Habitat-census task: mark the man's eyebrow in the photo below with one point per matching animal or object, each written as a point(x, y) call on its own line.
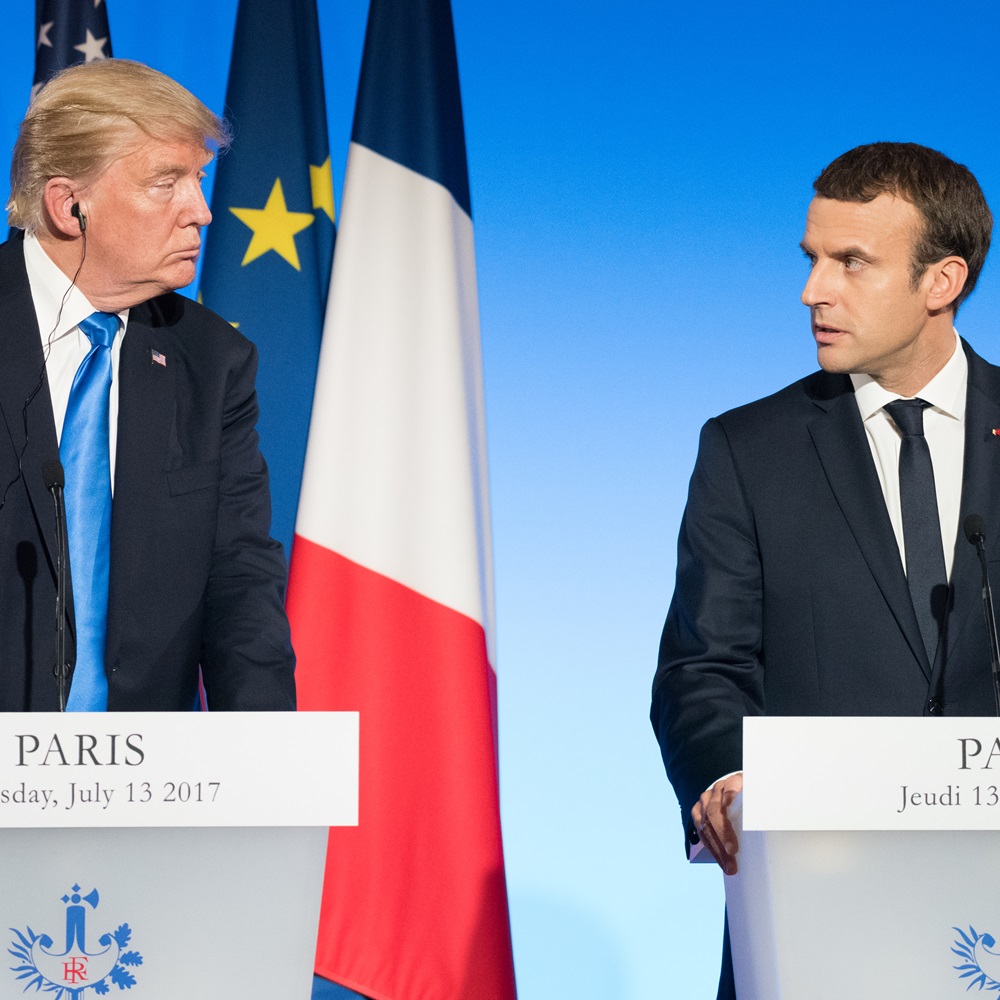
point(167, 170)
point(174, 170)
point(843, 254)
point(855, 251)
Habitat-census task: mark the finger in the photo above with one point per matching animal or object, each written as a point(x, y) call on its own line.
point(701, 813)
point(724, 827)
point(713, 844)
point(721, 847)
point(721, 830)
point(698, 813)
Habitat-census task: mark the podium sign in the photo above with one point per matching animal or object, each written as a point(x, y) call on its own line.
point(871, 774)
point(168, 855)
point(869, 859)
point(178, 769)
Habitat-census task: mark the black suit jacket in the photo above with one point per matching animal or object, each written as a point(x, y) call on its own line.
point(195, 578)
point(791, 597)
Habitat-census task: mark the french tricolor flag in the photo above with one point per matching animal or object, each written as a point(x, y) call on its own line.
point(390, 592)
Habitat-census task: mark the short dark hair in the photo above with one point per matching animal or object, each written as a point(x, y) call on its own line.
point(958, 220)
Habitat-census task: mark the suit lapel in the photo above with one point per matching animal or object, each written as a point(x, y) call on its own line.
point(32, 427)
point(145, 422)
point(980, 490)
point(839, 437)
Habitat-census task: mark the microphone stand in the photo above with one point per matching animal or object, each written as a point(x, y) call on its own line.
point(975, 531)
point(54, 483)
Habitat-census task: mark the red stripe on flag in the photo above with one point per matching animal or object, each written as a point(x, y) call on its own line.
point(415, 900)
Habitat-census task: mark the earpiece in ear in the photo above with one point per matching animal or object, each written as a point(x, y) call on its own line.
point(79, 216)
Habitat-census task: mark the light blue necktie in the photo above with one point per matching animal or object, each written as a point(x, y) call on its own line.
point(86, 459)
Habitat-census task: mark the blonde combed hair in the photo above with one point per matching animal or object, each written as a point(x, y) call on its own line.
point(90, 115)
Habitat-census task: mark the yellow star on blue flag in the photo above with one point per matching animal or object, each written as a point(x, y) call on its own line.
point(321, 180)
point(270, 245)
point(274, 227)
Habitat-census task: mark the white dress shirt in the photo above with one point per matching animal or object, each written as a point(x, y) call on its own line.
point(944, 429)
point(64, 344)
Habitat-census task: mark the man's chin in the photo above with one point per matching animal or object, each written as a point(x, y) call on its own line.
point(179, 276)
point(834, 361)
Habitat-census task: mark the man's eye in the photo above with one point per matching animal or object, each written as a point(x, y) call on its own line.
point(853, 264)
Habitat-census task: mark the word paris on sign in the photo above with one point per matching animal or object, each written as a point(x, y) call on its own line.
point(179, 769)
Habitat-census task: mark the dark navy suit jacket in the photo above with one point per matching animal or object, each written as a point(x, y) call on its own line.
point(195, 578)
point(790, 596)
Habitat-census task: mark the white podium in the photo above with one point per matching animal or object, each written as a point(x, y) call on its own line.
point(168, 856)
point(869, 862)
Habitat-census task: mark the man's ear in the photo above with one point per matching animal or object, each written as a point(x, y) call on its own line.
point(949, 277)
point(59, 197)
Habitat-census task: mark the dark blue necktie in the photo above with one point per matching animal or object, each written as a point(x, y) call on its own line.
point(86, 458)
point(925, 570)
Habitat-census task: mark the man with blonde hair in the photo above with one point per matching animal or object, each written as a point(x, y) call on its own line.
point(148, 400)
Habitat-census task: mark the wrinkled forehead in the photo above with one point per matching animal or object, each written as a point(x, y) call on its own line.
point(145, 155)
point(885, 219)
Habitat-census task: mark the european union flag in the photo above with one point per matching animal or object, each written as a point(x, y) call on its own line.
point(68, 32)
point(270, 244)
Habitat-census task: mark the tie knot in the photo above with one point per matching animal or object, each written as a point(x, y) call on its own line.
point(100, 328)
point(908, 415)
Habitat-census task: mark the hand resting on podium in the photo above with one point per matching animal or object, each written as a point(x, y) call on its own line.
point(711, 819)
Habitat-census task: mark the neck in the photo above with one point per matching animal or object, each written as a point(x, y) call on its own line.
point(69, 254)
point(926, 358)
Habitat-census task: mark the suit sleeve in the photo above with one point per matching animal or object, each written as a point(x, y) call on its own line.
point(247, 658)
point(710, 672)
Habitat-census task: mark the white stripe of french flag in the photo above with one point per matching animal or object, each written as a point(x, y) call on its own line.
point(390, 590)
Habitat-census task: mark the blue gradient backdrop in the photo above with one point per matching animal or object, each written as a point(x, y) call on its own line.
point(640, 173)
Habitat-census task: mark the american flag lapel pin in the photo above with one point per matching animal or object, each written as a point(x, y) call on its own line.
point(158, 358)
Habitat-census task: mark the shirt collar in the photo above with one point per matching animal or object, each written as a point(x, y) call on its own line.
point(945, 392)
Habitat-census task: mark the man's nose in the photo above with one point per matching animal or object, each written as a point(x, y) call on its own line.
point(818, 289)
point(198, 212)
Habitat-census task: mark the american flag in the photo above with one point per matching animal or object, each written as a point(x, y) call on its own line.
point(68, 32)
point(158, 358)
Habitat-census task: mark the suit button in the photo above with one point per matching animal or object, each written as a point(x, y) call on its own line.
point(934, 707)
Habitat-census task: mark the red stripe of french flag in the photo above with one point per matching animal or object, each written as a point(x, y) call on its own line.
point(391, 603)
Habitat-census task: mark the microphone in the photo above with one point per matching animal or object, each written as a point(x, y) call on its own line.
point(55, 480)
point(975, 531)
point(54, 475)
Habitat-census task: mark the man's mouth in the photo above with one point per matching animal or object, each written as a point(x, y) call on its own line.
point(826, 334)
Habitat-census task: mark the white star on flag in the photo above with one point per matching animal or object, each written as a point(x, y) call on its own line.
point(92, 48)
point(43, 35)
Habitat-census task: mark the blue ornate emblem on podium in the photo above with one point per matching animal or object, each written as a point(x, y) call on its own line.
point(982, 959)
point(64, 970)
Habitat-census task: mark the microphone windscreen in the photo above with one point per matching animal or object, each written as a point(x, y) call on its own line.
point(974, 527)
point(52, 470)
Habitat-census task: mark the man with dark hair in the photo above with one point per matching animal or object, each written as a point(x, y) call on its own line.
point(821, 568)
point(956, 219)
point(148, 401)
